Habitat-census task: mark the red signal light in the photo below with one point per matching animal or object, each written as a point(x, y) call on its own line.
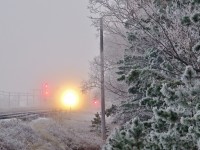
point(45, 90)
point(95, 101)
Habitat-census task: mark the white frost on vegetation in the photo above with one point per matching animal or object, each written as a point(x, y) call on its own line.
point(46, 134)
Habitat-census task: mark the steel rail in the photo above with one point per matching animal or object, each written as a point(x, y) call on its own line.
point(26, 114)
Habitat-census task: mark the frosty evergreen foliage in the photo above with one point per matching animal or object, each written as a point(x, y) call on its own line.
point(161, 68)
point(174, 124)
point(96, 123)
point(128, 137)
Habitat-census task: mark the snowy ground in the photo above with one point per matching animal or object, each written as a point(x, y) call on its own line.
point(63, 131)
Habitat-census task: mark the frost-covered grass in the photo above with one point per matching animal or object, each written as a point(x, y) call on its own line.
point(57, 133)
point(14, 134)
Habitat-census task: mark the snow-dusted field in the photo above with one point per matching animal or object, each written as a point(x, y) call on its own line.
point(63, 131)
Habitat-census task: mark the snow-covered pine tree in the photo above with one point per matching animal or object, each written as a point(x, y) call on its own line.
point(128, 137)
point(162, 44)
point(174, 125)
point(174, 102)
point(166, 34)
point(96, 123)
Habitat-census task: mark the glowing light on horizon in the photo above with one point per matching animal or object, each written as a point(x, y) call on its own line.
point(70, 98)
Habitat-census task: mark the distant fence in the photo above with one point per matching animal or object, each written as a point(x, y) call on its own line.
point(16, 100)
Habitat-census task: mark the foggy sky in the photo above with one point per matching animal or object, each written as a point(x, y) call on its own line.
point(44, 41)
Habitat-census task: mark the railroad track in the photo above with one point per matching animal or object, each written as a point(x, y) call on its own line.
point(25, 115)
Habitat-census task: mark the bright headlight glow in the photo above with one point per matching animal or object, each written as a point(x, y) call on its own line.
point(70, 98)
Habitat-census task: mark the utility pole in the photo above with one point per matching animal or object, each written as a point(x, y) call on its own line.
point(103, 122)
